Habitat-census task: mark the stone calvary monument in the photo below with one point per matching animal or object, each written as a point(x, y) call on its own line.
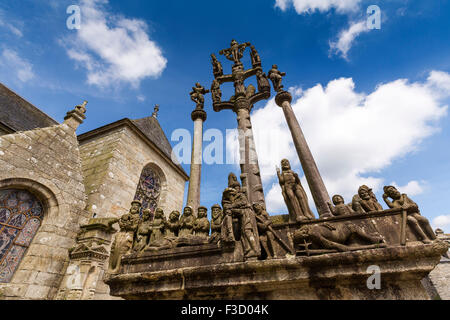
point(243, 252)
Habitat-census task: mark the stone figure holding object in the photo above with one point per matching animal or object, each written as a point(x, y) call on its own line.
point(367, 200)
point(215, 91)
point(216, 223)
point(201, 224)
point(143, 231)
point(419, 224)
point(197, 95)
point(340, 208)
point(293, 193)
point(266, 236)
point(172, 226)
point(276, 76)
point(217, 66)
point(123, 241)
point(187, 222)
point(157, 226)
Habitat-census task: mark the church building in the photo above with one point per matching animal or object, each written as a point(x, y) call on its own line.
point(53, 181)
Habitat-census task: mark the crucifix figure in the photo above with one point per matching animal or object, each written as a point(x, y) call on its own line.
point(242, 103)
point(235, 52)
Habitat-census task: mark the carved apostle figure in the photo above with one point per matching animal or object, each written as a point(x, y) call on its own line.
point(227, 232)
point(143, 231)
point(215, 91)
point(197, 95)
point(263, 82)
point(216, 223)
point(123, 241)
point(256, 60)
point(201, 224)
point(186, 222)
point(368, 200)
point(172, 226)
point(241, 209)
point(276, 76)
point(157, 227)
point(293, 193)
point(217, 66)
point(266, 236)
point(419, 224)
point(339, 208)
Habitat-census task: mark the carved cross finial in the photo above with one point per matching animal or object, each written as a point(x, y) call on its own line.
point(155, 112)
point(82, 108)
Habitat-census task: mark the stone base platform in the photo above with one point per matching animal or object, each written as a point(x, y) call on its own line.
point(329, 276)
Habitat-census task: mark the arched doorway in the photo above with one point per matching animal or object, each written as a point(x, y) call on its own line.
point(21, 215)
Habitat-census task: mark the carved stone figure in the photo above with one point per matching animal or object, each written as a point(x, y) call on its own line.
point(215, 91)
point(265, 231)
point(340, 208)
point(417, 222)
point(143, 231)
point(123, 241)
point(337, 237)
point(172, 226)
point(217, 66)
point(216, 223)
point(293, 193)
point(235, 52)
point(187, 222)
point(256, 60)
point(227, 232)
point(197, 95)
point(263, 82)
point(368, 200)
point(241, 209)
point(201, 224)
point(157, 226)
point(276, 76)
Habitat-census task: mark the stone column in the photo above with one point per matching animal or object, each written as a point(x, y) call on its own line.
point(315, 182)
point(250, 174)
point(193, 199)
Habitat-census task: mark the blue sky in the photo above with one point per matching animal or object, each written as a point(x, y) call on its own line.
point(372, 103)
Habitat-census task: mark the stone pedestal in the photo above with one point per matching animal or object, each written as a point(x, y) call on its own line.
point(193, 199)
point(84, 275)
point(315, 182)
point(330, 276)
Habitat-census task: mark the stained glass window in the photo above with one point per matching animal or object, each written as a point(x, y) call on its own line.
point(20, 217)
point(149, 189)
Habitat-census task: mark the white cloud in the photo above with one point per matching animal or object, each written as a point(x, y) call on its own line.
point(309, 6)
point(412, 188)
point(12, 26)
point(21, 68)
point(113, 49)
point(140, 98)
point(347, 37)
point(441, 222)
point(351, 135)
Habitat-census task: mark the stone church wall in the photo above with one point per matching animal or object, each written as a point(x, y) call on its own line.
point(112, 165)
point(46, 163)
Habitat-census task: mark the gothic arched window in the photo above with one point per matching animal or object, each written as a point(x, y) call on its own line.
point(21, 215)
point(149, 189)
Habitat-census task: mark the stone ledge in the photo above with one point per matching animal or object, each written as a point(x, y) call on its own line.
point(296, 277)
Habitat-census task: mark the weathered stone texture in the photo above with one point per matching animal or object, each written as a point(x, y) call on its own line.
point(112, 165)
point(46, 162)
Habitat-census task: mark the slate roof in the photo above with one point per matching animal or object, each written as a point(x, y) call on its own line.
point(148, 128)
point(17, 114)
point(151, 128)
